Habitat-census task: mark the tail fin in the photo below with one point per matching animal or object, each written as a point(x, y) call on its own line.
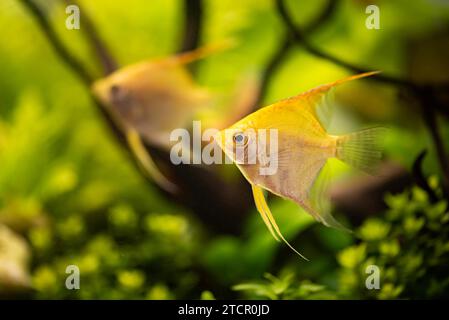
point(361, 149)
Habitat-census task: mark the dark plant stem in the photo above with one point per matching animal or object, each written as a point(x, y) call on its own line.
point(66, 56)
point(427, 102)
point(324, 16)
point(107, 61)
point(73, 63)
point(271, 68)
point(193, 19)
point(287, 43)
point(419, 177)
point(300, 37)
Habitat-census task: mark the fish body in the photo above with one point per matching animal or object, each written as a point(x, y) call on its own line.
point(153, 97)
point(150, 99)
point(301, 140)
point(303, 148)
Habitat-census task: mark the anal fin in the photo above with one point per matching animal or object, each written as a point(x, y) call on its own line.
point(147, 162)
point(318, 203)
point(268, 218)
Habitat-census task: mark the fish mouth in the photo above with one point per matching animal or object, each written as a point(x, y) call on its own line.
point(99, 89)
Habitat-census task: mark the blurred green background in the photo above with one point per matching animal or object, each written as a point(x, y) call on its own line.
point(69, 194)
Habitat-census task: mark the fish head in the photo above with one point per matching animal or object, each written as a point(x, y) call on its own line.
point(239, 142)
point(253, 145)
point(120, 90)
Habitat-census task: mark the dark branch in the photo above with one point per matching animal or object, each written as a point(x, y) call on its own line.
point(299, 36)
point(66, 56)
point(74, 64)
point(272, 66)
point(107, 61)
point(419, 177)
point(427, 102)
point(193, 14)
point(324, 16)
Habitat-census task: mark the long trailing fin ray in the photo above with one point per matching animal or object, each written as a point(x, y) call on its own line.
point(317, 93)
point(259, 207)
point(147, 162)
point(200, 53)
point(258, 193)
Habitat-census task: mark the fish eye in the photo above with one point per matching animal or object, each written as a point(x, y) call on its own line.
point(240, 138)
point(119, 94)
point(115, 89)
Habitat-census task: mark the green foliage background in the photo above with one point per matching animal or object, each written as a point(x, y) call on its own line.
point(71, 196)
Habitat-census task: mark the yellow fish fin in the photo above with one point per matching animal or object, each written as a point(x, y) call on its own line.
point(325, 217)
point(202, 52)
point(319, 100)
point(362, 149)
point(268, 218)
point(257, 193)
point(318, 203)
point(147, 162)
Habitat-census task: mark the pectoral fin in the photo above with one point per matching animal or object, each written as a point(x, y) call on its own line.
point(318, 204)
point(147, 162)
point(268, 218)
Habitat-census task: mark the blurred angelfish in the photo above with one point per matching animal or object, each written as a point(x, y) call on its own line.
point(151, 98)
point(303, 148)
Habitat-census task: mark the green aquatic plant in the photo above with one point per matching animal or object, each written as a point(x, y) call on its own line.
point(284, 287)
point(408, 244)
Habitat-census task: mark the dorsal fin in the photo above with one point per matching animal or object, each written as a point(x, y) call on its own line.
point(317, 100)
point(197, 54)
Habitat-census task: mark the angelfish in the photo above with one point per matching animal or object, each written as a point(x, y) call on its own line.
point(303, 148)
point(151, 98)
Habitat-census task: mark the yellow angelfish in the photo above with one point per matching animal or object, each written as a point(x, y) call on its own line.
point(303, 148)
point(151, 98)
